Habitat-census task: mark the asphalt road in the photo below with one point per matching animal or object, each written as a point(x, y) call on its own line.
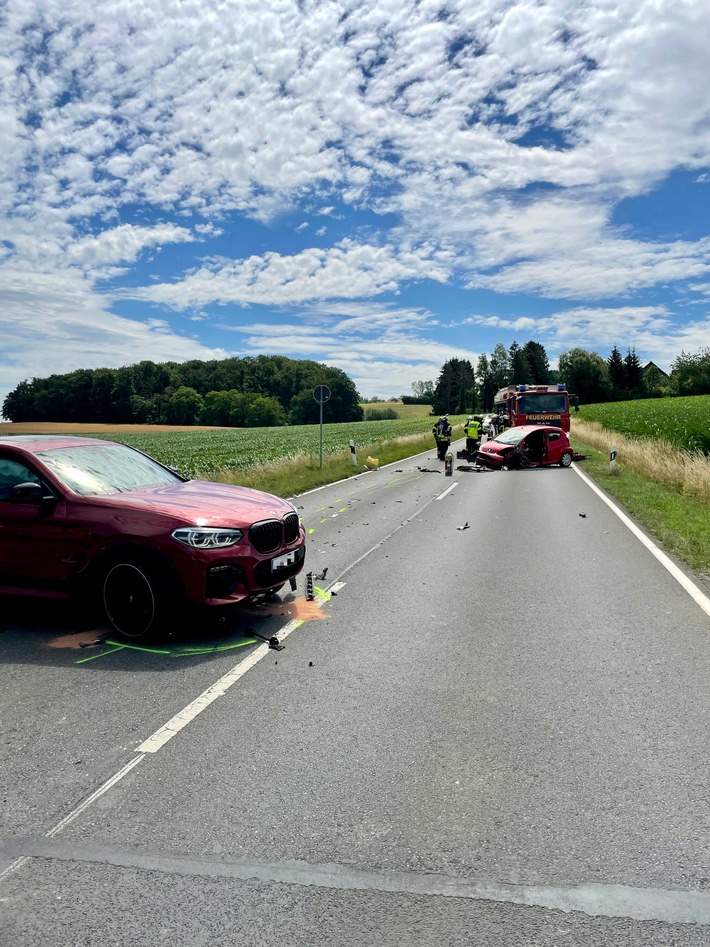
point(494, 732)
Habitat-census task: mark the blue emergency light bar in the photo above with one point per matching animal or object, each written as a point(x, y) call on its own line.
point(561, 387)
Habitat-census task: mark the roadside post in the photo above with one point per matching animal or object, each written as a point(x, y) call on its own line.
point(612, 459)
point(352, 453)
point(449, 464)
point(321, 393)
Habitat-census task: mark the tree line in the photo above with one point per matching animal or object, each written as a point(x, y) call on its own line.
point(260, 391)
point(460, 390)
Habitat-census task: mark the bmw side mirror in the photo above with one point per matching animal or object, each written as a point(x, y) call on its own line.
point(31, 493)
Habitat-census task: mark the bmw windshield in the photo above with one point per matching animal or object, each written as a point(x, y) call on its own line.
point(105, 469)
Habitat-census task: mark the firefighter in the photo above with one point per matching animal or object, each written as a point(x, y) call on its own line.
point(472, 431)
point(442, 434)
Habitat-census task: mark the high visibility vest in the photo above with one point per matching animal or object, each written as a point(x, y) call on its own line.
point(472, 430)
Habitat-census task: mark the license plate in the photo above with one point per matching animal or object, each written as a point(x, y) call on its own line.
point(280, 562)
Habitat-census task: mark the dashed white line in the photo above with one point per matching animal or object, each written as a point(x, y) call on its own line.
point(448, 490)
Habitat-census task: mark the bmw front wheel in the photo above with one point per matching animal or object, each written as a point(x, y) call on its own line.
point(135, 598)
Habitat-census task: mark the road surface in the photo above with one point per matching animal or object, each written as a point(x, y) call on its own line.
point(489, 727)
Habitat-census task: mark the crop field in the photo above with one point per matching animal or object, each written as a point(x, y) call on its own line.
point(404, 412)
point(684, 422)
point(194, 451)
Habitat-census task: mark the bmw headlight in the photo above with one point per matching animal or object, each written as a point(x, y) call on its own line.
point(205, 537)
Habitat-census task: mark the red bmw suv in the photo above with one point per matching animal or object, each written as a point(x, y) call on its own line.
point(81, 515)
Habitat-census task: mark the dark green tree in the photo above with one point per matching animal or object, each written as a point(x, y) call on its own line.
point(633, 373)
point(19, 404)
point(455, 392)
point(617, 375)
point(264, 412)
point(586, 374)
point(485, 383)
point(690, 373)
point(539, 366)
point(519, 367)
point(184, 406)
point(500, 367)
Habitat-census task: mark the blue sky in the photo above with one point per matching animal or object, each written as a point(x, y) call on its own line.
point(380, 186)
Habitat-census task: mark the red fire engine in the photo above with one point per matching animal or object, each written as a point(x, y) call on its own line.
point(534, 404)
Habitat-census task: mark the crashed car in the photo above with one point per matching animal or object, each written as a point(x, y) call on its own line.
point(105, 522)
point(530, 445)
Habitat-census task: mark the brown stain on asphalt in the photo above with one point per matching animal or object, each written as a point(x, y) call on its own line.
point(81, 639)
point(300, 610)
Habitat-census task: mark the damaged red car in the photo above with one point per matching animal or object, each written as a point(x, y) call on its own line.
point(529, 445)
point(105, 522)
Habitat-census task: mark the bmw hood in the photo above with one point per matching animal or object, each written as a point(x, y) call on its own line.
point(202, 503)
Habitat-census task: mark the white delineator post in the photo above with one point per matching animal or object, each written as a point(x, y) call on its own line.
point(612, 458)
point(352, 453)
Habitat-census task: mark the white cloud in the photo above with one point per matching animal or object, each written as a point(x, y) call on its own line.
point(348, 270)
point(53, 323)
point(123, 244)
point(491, 139)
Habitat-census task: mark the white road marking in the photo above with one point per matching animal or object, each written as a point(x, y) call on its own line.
point(448, 490)
point(690, 587)
point(218, 689)
point(117, 777)
point(79, 809)
point(173, 726)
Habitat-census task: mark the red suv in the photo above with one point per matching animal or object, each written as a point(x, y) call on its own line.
point(96, 517)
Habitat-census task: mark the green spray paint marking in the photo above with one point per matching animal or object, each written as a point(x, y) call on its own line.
point(342, 509)
point(311, 530)
point(178, 651)
point(100, 655)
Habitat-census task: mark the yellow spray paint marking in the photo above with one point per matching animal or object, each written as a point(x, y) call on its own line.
point(311, 530)
point(342, 509)
point(324, 520)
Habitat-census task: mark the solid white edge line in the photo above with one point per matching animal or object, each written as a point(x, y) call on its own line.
point(448, 490)
point(690, 587)
point(94, 796)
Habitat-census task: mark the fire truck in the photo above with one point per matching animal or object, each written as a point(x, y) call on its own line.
point(534, 404)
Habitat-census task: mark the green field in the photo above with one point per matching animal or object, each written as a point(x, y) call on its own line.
point(200, 451)
point(405, 412)
point(685, 422)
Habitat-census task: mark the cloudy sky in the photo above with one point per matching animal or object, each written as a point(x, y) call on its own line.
point(379, 185)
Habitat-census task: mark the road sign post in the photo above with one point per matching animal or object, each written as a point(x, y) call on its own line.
point(321, 393)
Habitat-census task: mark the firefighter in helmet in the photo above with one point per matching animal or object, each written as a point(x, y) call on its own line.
point(442, 432)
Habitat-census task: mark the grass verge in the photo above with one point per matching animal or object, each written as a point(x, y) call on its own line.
point(294, 475)
point(680, 521)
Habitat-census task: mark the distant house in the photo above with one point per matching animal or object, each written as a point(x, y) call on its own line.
point(653, 369)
